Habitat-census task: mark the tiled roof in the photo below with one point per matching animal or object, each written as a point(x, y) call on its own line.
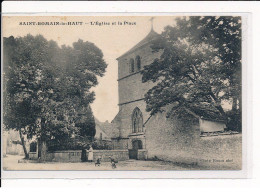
point(202, 111)
point(206, 112)
point(108, 128)
point(151, 36)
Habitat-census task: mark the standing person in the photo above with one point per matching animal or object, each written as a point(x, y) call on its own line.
point(90, 154)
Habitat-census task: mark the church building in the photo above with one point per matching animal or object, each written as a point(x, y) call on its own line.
point(157, 136)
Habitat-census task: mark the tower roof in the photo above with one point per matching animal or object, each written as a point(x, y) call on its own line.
point(151, 36)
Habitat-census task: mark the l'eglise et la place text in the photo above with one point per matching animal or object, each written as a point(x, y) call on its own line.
point(98, 23)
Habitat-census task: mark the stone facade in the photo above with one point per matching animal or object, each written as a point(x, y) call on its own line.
point(174, 138)
point(171, 134)
point(210, 126)
point(12, 143)
point(156, 133)
point(131, 92)
point(178, 139)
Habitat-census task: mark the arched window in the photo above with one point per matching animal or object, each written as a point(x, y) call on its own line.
point(138, 62)
point(137, 121)
point(132, 66)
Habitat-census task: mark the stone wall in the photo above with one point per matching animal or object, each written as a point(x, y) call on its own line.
point(178, 140)
point(142, 154)
point(66, 156)
point(146, 55)
point(129, 87)
point(170, 134)
point(75, 155)
point(105, 154)
point(119, 144)
point(33, 155)
point(126, 116)
point(131, 92)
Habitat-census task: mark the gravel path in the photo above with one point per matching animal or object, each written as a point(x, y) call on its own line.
point(10, 162)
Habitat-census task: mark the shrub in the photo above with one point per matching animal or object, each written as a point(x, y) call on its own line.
point(102, 145)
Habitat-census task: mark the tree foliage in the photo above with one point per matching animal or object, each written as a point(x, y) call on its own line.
point(86, 122)
point(45, 86)
point(200, 63)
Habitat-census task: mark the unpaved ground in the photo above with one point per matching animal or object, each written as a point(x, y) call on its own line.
point(11, 163)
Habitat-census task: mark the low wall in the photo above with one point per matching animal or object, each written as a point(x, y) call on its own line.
point(219, 152)
point(176, 140)
point(33, 155)
point(66, 156)
point(75, 155)
point(117, 154)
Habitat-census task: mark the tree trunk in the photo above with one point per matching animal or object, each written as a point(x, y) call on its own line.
point(42, 146)
point(43, 151)
point(234, 104)
point(222, 112)
point(23, 144)
point(218, 106)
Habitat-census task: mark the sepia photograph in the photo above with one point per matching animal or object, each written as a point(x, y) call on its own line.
point(122, 93)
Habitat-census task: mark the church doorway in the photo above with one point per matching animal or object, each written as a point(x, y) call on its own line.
point(136, 145)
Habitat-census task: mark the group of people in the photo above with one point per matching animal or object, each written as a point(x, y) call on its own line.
point(90, 157)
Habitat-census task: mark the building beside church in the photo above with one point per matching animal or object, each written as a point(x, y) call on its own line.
point(103, 130)
point(12, 144)
point(168, 137)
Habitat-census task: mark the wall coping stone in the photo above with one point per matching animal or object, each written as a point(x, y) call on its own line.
point(68, 151)
point(110, 150)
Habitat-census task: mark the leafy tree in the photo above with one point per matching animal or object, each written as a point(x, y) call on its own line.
point(45, 86)
point(200, 63)
point(22, 59)
point(86, 123)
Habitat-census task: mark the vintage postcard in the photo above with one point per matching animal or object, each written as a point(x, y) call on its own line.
point(122, 93)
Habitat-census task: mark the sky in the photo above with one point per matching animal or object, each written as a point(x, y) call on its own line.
point(113, 40)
